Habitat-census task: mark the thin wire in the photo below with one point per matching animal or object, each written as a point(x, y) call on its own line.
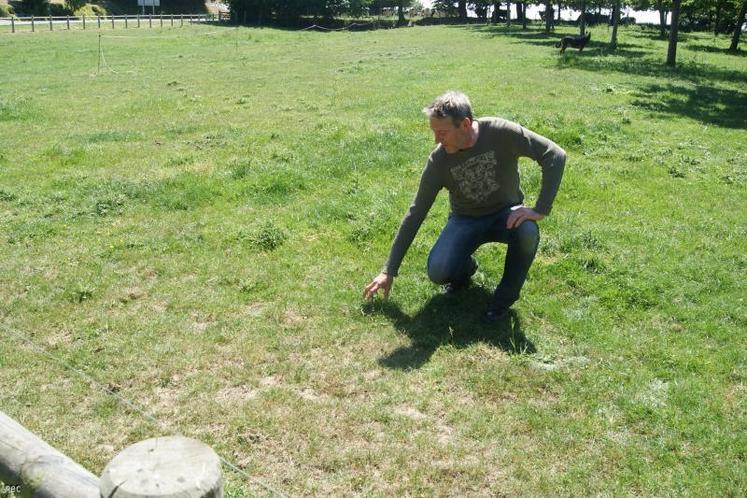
point(316, 26)
point(130, 404)
point(102, 58)
point(164, 37)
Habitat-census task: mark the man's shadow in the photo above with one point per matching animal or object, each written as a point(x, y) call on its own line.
point(456, 320)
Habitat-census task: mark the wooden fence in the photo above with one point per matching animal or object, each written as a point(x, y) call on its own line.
point(126, 21)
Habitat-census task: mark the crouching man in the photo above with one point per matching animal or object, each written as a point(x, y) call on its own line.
point(476, 160)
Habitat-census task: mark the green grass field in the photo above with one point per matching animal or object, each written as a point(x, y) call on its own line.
point(193, 223)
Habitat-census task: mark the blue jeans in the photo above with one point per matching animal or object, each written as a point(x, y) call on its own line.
point(451, 258)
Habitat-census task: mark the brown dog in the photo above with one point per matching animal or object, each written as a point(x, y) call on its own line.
point(578, 42)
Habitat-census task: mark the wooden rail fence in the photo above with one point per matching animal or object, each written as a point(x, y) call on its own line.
point(127, 21)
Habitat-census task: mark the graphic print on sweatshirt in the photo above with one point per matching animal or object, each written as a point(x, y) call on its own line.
point(476, 177)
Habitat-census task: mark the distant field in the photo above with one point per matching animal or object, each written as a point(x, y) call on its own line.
point(189, 216)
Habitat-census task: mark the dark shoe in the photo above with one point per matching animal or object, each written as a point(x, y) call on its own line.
point(496, 314)
point(454, 287)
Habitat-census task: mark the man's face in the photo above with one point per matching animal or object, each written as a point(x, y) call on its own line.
point(451, 137)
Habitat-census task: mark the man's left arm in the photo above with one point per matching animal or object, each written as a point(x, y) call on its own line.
point(551, 158)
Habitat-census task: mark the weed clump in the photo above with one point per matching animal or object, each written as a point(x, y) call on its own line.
point(6, 196)
point(12, 109)
point(107, 206)
point(79, 294)
point(267, 237)
point(239, 169)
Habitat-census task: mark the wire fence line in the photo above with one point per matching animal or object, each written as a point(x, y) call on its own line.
point(34, 23)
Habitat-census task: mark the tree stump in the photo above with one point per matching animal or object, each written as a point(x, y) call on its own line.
point(166, 467)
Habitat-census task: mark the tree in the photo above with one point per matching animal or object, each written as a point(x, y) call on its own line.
point(672, 51)
point(444, 6)
point(615, 22)
point(401, 4)
point(74, 5)
point(480, 7)
point(719, 10)
point(738, 30)
point(582, 27)
point(356, 8)
point(35, 7)
point(463, 10)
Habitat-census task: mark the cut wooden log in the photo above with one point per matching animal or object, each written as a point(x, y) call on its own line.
point(167, 467)
point(39, 469)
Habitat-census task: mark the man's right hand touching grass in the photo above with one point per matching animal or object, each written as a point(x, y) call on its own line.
point(382, 281)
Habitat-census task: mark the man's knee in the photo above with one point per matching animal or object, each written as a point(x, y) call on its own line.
point(527, 235)
point(438, 271)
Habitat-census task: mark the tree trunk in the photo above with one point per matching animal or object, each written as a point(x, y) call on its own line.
point(615, 22)
point(508, 13)
point(548, 16)
point(672, 51)
point(462, 10)
point(583, 17)
point(738, 30)
point(662, 18)
point(559, 7)
point(401, 13)
point(494, 14)
point(719, 7)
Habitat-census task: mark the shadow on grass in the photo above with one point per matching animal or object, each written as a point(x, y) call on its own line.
point(687, 71)
point(718, 106)
point(715, 50)
point(447, 320)
point(597, 46)
point(627, 58)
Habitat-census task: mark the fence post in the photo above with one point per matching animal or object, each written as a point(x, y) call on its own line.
point(98, 20)
point(172, 20)
point(39, 467)
point(138, 20)
point(168, 467)
point(161, 18)
point(125, 21)
point(33, 27)
point(181, 20)
point(12, 24)
point(112, 22)
point(150, 20)
point(84, 22)
point(68, 23)
point(50, 23)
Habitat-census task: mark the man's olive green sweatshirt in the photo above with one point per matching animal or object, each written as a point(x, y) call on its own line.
point(481, 180)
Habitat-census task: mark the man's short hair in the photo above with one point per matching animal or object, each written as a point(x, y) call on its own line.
point(454, 105)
